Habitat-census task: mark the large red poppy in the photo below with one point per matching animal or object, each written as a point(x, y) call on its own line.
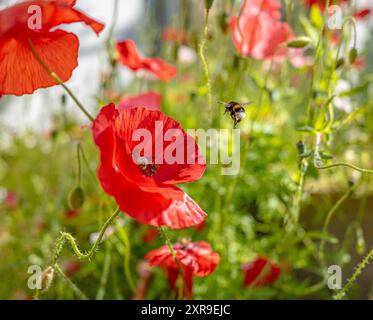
point(258, 32)
point(195, 259)
point(130, 57)
point(20, 72)
point(143, 181)
point(150, 100)
point(260, 272)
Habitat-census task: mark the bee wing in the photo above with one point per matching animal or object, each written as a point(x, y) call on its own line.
point(246, 104)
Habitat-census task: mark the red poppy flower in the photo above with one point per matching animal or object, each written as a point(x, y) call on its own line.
point(195, 259)
point(129, 56)
point(150, 100)
point(20, 72)
point(260, 272)
point(258, 32)
point(141, 175)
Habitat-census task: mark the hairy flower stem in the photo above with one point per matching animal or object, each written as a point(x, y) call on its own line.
point(201, 49)
point(354, 276)
point(68, 237)
point(72, 286)
point(173, 253)
point(59, 81)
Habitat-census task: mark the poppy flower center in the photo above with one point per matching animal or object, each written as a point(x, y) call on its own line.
point(148, 168)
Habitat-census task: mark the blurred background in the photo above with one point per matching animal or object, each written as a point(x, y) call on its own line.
point(39, 134)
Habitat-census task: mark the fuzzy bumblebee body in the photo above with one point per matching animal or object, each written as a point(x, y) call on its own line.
point(236, 110)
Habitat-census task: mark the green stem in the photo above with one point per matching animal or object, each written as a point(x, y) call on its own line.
point(79, 164)
point(72, 286)
point(105, 273)
point(313, 69)
point(126, 256)
point(59, 81)
point(354, 276)
point(68, 237)
point(201, 53)
point(298, 199)
point(330, 215)
point(85, 160)
point(173, 253)
point(345, 164)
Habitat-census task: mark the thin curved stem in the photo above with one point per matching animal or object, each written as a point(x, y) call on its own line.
point(345, 164)
point(354, 276)
point(330, 215)
point(58, 80)
point(201, 53)
point(126, 256)
point(68, 237)
point(72, 286)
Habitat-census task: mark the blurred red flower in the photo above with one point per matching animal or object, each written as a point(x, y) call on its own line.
point(20, 71)
point(150, 100)
point(260, 272)
point(145, 188)
point(130, 57)
point(362, 14)
point(150, 235)
point(258, 32)
point(321, 3)
point(11, 199)
point(195, 259)
point(175, 35)
point(71, 214)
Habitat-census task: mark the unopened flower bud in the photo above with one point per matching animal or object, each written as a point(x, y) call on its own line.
point(300, 42)
point(76, 198)
point(208, 4)
point(352, 55)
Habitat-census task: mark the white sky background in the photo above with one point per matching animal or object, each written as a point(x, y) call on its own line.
point(34, 111)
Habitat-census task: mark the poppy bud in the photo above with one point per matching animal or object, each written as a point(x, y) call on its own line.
point(300, 42)
point(352, 55)
point(340, 63)
point(360, 243)
point(76, 198)
point(223, 22)
point(46, 279)
point(208, 4)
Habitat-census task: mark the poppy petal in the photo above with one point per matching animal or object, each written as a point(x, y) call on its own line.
point(58, 49)
point(150, 100)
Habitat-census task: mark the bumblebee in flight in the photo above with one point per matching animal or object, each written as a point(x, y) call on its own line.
point(236, 110)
